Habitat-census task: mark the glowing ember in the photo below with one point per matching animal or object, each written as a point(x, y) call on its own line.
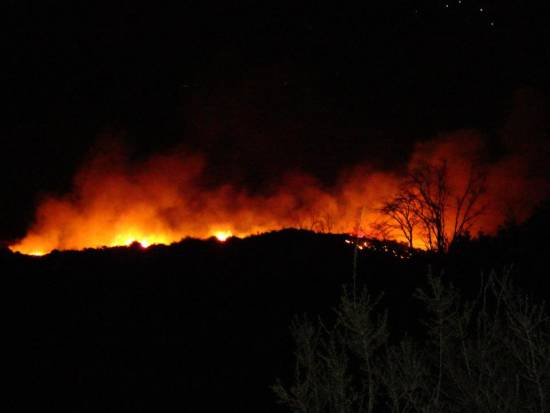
point(223, 235)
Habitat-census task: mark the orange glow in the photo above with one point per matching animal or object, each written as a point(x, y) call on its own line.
point(223, 235)
point(164, 199)
point(36, 253)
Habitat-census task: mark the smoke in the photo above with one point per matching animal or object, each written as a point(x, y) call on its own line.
point(519, 179)
point(162, 199)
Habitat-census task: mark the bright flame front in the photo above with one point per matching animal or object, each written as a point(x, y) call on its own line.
point(223, 235)
point(164, 200)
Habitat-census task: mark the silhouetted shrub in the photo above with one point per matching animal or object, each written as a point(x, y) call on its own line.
point(489, 354)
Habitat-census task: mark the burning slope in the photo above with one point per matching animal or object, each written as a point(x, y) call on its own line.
point(163, 200)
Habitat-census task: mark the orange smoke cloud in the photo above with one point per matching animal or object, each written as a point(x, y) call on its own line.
point(164, 199)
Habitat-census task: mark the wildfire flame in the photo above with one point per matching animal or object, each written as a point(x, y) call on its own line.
point(223, 235)
point(162, 200)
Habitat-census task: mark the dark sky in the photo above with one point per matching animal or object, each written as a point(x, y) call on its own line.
point(258, 88)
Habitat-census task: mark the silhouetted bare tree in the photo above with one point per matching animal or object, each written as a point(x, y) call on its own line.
point(429, 186)
point(467, 205)
point(402, 210)
point(428, 201)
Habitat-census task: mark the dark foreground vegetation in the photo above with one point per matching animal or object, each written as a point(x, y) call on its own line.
point(489, 354)
point(205, 326)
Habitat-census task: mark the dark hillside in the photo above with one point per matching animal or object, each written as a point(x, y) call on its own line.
point(199, 325)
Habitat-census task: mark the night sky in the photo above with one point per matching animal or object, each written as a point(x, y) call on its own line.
point(258, 88)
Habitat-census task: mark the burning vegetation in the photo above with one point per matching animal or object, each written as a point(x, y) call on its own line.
point(447, 190)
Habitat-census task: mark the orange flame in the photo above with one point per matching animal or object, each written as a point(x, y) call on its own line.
point(223, 235)
point(163, 200)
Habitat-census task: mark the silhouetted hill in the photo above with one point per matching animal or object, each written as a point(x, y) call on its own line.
point(195, 326)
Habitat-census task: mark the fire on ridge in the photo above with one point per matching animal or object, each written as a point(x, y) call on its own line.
point(164, 199)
